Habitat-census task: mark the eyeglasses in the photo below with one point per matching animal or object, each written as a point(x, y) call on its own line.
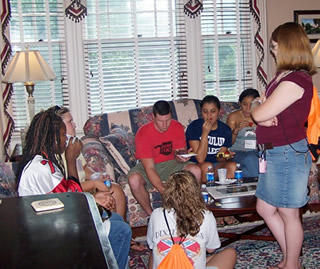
point(273, 47)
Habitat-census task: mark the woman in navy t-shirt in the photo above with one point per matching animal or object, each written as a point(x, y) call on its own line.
point(209, 138)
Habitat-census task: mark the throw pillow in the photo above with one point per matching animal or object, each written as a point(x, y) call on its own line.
point(120, 145)
point(97, 158)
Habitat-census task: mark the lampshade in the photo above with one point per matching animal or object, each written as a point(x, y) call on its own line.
point(316, 53)
point(28, 66)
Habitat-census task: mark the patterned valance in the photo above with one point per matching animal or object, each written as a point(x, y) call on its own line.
point(193, 8)
point(75, 10)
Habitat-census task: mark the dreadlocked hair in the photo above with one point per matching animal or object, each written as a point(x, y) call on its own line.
point(182, 193)
point(43, 138)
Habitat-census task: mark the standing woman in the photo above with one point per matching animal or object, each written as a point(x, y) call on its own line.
point(281, 115)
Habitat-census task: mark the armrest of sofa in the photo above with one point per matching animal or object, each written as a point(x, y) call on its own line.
point(8, 184)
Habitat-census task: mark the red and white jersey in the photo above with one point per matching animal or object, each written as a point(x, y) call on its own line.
point(41, 176)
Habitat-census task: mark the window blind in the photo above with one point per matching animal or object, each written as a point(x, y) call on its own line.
point(227, 47)
point(135, 53)
point(39, 25)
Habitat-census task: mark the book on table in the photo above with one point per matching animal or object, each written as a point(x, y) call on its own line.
point(232, 190)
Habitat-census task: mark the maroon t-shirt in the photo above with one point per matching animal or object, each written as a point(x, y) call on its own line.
point(291, 121)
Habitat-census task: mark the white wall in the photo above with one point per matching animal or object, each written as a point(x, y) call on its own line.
point(279, 12)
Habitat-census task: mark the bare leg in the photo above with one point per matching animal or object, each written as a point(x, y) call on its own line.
point(119, 196)
point(275, 223)
point(293, 234)
point(225, 259)
point(150, 266)
point(138, 189)
point(204, 168)
point(195, 170)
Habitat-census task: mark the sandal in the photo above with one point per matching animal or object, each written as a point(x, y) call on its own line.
point(137, 246)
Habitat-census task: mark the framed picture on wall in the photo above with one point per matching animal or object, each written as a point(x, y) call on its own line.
point(310, 21)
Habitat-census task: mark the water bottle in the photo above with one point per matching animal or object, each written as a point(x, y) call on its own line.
point(205, 194)
point(210, 176)
point(108, 183)
point(238, 174)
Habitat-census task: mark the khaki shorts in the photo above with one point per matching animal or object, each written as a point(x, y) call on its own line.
point(164, 170)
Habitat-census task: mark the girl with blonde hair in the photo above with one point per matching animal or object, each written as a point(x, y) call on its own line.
point(190, 223)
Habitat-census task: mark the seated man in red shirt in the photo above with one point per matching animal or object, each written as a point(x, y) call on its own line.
point(156, 143)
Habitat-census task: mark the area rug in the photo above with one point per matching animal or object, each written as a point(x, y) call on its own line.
point(254, 254)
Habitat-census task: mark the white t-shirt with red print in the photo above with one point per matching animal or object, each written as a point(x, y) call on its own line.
point(41, 176)
point(159, 240)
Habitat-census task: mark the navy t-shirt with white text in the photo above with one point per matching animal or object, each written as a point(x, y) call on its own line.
point(221, 137)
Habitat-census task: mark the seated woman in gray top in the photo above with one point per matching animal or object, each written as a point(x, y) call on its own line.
point(244, 135)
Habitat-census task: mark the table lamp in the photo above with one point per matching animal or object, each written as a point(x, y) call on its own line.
point(316, 53)
point(28, 66)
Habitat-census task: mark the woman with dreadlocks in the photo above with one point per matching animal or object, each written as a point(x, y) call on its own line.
point(185, 219)
point(42, 171)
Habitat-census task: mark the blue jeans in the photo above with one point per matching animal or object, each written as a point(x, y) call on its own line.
point(120, 238)
point(249, 161)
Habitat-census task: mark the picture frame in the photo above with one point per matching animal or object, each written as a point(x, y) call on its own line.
point(310, 21)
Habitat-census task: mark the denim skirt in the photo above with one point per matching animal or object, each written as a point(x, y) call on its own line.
point(286, 180)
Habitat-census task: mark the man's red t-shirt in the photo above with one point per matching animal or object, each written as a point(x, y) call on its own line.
point(150, 143)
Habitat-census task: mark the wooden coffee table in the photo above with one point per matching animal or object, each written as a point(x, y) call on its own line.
point(237, 207)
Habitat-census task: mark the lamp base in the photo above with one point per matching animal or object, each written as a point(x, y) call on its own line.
point(30, 102)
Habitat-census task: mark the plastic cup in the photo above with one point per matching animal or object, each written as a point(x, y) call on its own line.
point(205, 196)
point(222, 174)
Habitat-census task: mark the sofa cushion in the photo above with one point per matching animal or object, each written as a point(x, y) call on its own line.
point(97, 158)
point(8, 185)
point(120, 145)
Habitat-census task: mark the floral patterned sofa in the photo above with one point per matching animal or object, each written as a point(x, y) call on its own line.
point(109, 145)
point(8, 186)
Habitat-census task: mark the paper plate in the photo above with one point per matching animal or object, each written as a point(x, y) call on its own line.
point(228, 181)
point(188, 155)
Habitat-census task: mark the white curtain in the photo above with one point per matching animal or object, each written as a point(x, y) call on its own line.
point(6, 121)
point(258, 9)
